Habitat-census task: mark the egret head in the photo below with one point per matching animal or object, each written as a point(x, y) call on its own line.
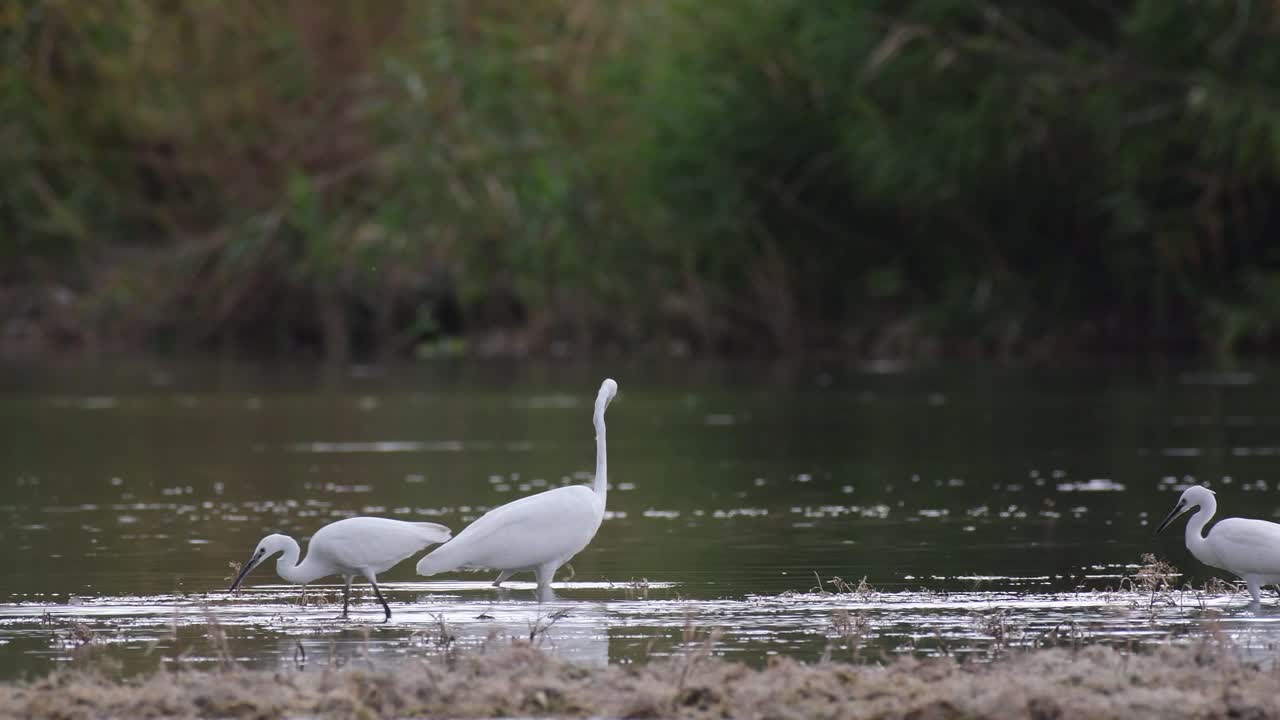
point(608, 389)
point(268, 546)
point(1193, 497)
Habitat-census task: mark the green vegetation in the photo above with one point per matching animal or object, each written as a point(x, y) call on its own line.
point(888, 177)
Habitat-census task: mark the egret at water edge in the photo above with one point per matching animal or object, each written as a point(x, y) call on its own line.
point(364, 546)
point(1249, 549)
point(538, 533)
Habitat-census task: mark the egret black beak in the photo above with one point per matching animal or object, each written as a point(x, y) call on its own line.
point(1175, 512)
point(250, 564)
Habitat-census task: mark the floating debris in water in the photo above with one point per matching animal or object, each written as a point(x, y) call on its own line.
point(1093, 485)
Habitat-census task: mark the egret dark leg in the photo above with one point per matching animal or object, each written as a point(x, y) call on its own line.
point(346, 593)
point(386, 608)
point(502, 577)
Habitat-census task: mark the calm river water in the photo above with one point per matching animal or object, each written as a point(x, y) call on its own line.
point(986, 506)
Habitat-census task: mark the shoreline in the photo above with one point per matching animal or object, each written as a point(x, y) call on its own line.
point(1199, 680)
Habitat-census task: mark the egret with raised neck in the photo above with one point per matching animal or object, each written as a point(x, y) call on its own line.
point(538, 533)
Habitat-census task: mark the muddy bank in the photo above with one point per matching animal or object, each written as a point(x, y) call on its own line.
point(1095, 682)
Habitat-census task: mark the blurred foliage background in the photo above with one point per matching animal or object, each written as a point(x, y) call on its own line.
point(340, 178)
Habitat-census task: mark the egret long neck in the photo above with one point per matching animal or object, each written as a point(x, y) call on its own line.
point(1196, 541)
point(601, 484)
point(299, 573)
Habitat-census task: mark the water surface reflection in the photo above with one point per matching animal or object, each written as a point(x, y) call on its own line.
point(984, 506)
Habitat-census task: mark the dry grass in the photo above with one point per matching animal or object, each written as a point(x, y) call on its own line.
point(1194, 681)
point(1155, 575)
point(862, 590)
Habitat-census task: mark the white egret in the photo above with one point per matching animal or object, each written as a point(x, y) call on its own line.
point(363, 546)
point(1249, 549)
point(538, 533)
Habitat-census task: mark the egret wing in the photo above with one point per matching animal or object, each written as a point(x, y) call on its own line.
point(522, 534)
point(375, 544)
point(1247, 546)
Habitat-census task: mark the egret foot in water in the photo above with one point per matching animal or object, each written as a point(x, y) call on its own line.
point(378, 592)
point(346, 596)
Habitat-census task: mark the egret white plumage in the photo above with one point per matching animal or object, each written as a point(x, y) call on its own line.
point(1249, 549)
point(538, 533)
point(364, 546)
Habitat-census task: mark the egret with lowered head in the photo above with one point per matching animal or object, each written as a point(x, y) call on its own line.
point(363, 546)
point(538, 533)
point(1249, 549)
